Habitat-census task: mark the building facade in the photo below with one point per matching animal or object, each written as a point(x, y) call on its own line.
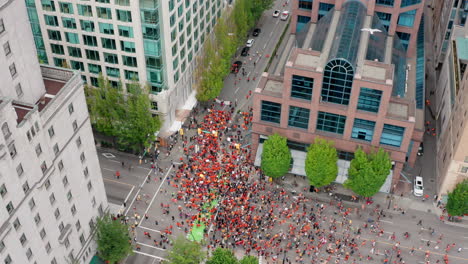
point(445, 15)
point(51, 187)
point(346, 85)
point(399, 17)
point(451, 112)
point(154, 42)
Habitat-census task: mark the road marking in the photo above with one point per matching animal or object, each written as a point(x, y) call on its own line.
point(237, 90)
point(107, 169)
point(156, 193)
point(136, 195)
point(148, 255)
point(422, 239)
point(385, 221)
point(128, 195)
point(146, 245)
point(153, 230)
point(108, 155)
point(123, 183)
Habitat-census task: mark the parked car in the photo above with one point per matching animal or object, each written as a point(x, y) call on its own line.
point(256, 32)
point(249, 43)
point(418, 186)
point(245, 51)
point(284, 15)
point(236, 66)
point(276, 13)
point(421, 149)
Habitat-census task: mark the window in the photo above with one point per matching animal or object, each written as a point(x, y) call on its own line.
point(127, 46)
point(113, 72)
point(25, 187)
point(67, 243)
point(13, 71)
point(90, 186)
point(78, 142)
point(8, 259)
point(12, 150)
point(298, 117)
point(2, 246)
point(271, 112)
point(29, 253)
point(406, 19)
point(69, 22)
point(93, 201)
point(57, 49)
point(51, 131)
point(324, 8)
point(363, 129)
point(56, 149)
point(301, 87)
point(52, 199)
point(66, 8)
point(106, 28)
point(19, 170)
point(86, 172)
point(57, 213)
point(32, 203)
point(38, 150)
point(48, 5)
point(131, 75)
point(392, 135)
point(464, 169)
point(405, 3)
point(111, 58)
point(59, 62)
point(151, 32)
point(54, 35)
point(93, 68)
point(44, 167)
point(82, 240)
point(69, 196)
point(92, 55)
point(125, 31)
point(10, 207)
point(129, 61)
point(65, 181)
point(124, 16)
point(305, 4)
point(47, 184)
point(171, 5)
point(103, 1)
point(104, 12)
point(51, 20)
point(74, 52)
point(87, 25)
point(404, 38)
point(77, 65)
point(6, 131)
point(385, 18)
point(60, 165)
point(337, 82)
point(331, 122)
point(48, 248)
point(369, 100)
point(3, 190)
point(385, 2)
point(42, 233)
point(122, 2)
point(82, 157)
point(23, 239)
point(108, 43)
point(6, 48)
point(37, 219)
point(90, 40)
point(16, 224)
point(2, 26)
point(19, 90)
point(73, 209)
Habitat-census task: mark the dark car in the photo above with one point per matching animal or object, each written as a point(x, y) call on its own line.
point(245, 51)
point(236, 66)
point(256, 32)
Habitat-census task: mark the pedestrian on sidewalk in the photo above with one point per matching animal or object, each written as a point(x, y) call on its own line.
point(420, 222)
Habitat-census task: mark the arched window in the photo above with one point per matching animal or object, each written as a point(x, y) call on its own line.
point(337, 82)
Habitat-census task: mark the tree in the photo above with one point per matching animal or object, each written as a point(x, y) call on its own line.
point(276, 156)
point(367, 173)
point(320, 164)
point(112, 238)
point(222, 256)
point(457, 203)
point(249, 260)
point(185, 252)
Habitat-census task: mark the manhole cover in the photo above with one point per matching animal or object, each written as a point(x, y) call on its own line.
point(108, 155)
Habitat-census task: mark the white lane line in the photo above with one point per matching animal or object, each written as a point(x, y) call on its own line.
point(146, 245)
point(385, 221)
point(128, 195)
point(148, 255)
point(150, 229)
point(156, 193)
point(237, 90)
point(136, 195)
point(107, 169)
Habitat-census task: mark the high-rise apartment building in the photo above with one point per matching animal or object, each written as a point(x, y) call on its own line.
point(51, 187)
point(351, 86)
point(399, 17)
point(445, 15)
point(152, 41)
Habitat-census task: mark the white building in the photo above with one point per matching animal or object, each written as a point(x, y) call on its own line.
point(51, 187)
point(153, 41)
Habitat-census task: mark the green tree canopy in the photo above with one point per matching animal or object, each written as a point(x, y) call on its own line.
point(249, 260)
point(320, 164)
point(222, 256)
point(112, 239)
point(457, 203)
point(367, 173)
point(276, 156)
point(185, 252)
